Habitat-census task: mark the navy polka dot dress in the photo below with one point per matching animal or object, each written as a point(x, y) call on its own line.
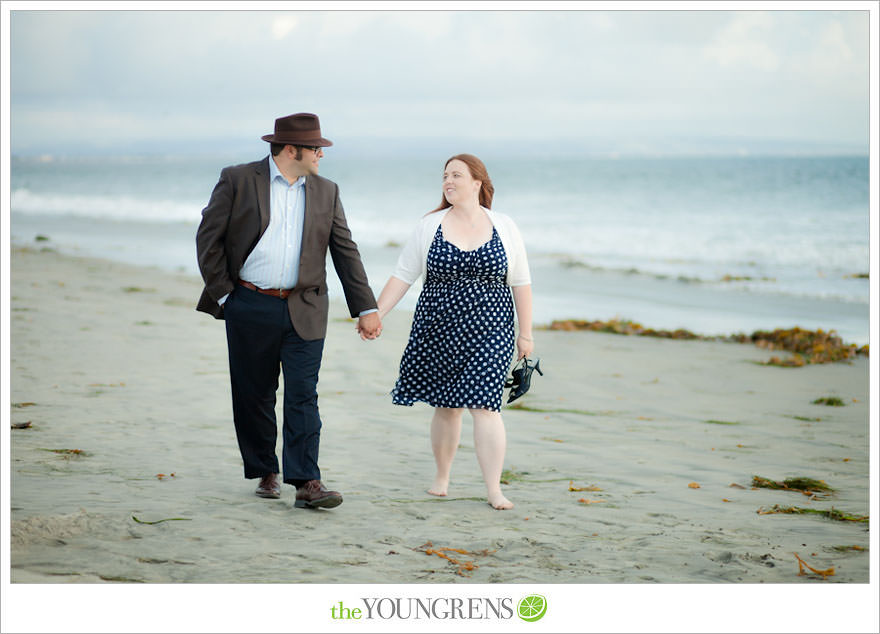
point(461, 343)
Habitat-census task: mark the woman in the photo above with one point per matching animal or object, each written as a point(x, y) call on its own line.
point(462, 337)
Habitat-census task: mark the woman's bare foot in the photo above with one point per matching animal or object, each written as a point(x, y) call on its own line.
point(439, 487)
point(499, 502)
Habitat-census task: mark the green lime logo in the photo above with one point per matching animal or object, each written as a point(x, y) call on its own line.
point(532, 608)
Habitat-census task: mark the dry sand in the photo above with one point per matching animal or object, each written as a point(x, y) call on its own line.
point(113, 361)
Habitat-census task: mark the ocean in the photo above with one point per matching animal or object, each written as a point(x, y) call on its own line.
point(715, 245)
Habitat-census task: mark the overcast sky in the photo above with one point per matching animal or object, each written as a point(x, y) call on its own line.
point(619, 80)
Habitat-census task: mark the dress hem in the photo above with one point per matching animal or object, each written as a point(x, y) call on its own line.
point(427, 402)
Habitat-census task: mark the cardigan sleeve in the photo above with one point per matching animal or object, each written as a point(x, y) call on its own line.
point(409, 263)
point(518, 275)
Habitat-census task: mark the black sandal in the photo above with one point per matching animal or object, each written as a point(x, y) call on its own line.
point(521, 379)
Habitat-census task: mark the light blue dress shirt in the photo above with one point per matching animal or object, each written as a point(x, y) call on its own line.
point(274, 262)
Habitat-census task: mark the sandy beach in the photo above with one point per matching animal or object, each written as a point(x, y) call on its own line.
point(129, 470)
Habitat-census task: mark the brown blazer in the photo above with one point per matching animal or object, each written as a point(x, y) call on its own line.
point(237, 216)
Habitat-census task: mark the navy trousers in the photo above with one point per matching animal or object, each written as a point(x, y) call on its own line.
point(261, 342)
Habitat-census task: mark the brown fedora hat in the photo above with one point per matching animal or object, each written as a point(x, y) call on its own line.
point(298, 129)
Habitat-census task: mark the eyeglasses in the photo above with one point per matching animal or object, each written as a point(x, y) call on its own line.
point(313, 148)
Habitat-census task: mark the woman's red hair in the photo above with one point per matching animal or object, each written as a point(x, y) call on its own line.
point(478, 173)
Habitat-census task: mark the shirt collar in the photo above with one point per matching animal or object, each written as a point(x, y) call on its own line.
point(274, 173)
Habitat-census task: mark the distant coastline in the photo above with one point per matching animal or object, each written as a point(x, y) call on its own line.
point(439, 148)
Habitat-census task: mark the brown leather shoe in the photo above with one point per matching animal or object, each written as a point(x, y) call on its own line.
point(313, 494)
point(269, 487)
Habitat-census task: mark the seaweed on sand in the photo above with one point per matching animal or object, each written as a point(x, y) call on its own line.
point(167, 519)
point(832, 514)
point(67, 454)
point(802, 564)
point(808, 347)
point(468, 565)
point(621, 327)
point(807, 486)
point(509, 475)
point(527, 408)
point(572, 487)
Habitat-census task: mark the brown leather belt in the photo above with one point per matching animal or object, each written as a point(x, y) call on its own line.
point(274, 292)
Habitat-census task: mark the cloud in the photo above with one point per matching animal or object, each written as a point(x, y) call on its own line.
point(124, 76)
point(283, 25)
point(744, 42)
point(833, 52)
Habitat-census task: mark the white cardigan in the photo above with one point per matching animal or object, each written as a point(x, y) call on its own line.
point(413, 260)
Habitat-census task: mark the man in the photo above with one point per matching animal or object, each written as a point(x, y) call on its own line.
point(262, 247)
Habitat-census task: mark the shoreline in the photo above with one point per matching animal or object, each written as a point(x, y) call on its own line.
point(609, 295)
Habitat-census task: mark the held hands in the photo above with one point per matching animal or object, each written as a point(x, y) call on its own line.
point(524, 347)
point(369, 326)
